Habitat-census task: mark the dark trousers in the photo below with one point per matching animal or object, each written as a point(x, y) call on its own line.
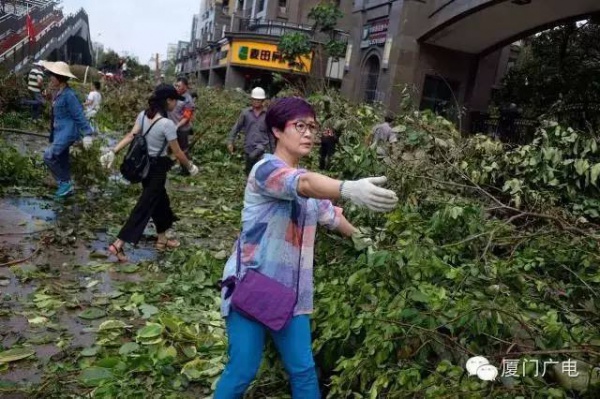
point(183, 138)
point(325, 153)
point(153, 203)
point(36, 103)
point(250, 162)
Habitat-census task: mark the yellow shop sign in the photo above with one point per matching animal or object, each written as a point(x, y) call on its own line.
point(264, 55)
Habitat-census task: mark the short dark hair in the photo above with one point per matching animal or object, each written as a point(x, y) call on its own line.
point(286, 109)
point(183, 80)
point(96, 85)
point(388, 118)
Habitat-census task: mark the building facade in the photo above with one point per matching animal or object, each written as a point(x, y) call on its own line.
point(451, 54)
point(236, 43)
point(171, 52)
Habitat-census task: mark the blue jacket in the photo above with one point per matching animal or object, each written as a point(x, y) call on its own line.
point(68, 120)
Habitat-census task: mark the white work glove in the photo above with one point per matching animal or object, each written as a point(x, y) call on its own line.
point(364, 192)
point(87, 142)
point(193, 169)
point(107, 159)
point(361, 240)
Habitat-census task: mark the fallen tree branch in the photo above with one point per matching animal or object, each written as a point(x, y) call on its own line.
point(432, 332)
point(44, 239)
point(25, 233)
point(16, 262)
point(25, 132)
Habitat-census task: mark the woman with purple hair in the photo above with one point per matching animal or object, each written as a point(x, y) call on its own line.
point(283, 204)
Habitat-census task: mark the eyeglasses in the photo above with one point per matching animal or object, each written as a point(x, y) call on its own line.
point(302, 126)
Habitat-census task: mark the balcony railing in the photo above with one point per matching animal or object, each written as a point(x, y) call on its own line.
point(280, 28)
point(269, 28)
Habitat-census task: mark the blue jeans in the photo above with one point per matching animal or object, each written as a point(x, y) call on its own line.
point(56, 157)
point(246, 343)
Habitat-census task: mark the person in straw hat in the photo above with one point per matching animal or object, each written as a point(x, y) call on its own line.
point(68, 124)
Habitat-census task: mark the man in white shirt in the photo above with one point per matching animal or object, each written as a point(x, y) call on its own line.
point(92, 103)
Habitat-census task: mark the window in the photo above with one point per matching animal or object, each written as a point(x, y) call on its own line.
point(439, 96)
point(261, 5)
point(370, 79)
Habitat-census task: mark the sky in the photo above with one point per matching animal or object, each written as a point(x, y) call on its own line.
point(140, 27)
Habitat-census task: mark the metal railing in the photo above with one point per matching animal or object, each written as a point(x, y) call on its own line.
point(15, 23)
point(25, 40)
point(268, 27)
point(53, 38)
point(509, 128)
point(279, 28)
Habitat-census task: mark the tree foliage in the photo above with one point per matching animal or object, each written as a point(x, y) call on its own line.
point(322, 40)
point(109, 61)
point(559, 75)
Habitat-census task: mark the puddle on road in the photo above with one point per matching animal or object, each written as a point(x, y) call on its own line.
point(58, 270)
point(20, 216)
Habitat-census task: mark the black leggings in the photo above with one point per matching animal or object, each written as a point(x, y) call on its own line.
point(153, 203)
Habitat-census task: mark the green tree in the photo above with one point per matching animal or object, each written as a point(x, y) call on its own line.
point(321, 42)
point(558, 76)
point(110, 61)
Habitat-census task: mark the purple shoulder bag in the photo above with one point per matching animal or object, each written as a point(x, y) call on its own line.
point(261, 298)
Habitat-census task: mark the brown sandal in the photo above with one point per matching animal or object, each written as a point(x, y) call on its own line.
point(168, 244)
point(118, 252)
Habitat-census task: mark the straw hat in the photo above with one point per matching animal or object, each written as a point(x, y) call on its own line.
point(58, 68)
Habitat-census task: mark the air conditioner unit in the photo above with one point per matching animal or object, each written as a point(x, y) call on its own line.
point(283, 10)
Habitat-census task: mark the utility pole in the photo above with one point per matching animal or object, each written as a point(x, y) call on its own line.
point(157, 70)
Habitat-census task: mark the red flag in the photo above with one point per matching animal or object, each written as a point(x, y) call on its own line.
point(30, 29)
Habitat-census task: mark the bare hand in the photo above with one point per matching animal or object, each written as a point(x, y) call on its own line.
point(230, 148)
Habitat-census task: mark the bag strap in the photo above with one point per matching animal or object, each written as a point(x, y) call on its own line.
point(151, 126)
point(239, 254)
point(148, 131)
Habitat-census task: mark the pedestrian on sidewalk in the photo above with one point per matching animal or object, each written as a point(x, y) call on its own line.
point(68, 124)
point(159, 131)
point(252, 122)
point(283, 204)
point(182, 116)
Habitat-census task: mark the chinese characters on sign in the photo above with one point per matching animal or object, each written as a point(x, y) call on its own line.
point(510, 367)
point(374, 33)
point(264, 55)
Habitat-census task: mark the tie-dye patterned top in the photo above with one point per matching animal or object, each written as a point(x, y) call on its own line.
point(271, 235)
